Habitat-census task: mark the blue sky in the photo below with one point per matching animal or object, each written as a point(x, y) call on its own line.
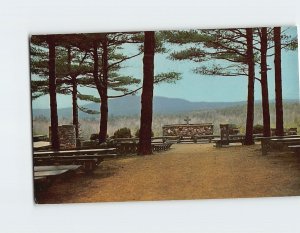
point(195, 87)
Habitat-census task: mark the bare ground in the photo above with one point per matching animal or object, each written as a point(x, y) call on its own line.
point(187, 171)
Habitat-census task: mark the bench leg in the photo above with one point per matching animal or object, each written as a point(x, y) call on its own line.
point(265, 146)
point(89, 166)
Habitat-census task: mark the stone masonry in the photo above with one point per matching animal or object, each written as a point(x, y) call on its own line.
point(188, 130)
point(67, 136)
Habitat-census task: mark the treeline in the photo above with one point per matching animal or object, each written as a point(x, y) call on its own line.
point(66, 62)
point(235, 115)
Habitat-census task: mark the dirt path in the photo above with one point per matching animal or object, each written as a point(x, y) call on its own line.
point(187, 171)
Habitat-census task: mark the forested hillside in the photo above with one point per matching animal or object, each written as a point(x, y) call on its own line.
point(235, 115)
point(116, 107)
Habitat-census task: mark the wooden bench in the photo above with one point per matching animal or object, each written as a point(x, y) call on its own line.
point(88, 158)
point(56, 167)
point(282, 144)
point(132, 148)
point(75, 152)
point(55, 173)
point(87, 165)
point(163, 139)
point(183, 139)
point(41, 145)
point(175, 139)
point(45, 175)
point(125, 140)
point(276, 143)
point(161, 146)
point(239, 138)
point(127, 148)
point(292, 131)
point(295, 148)
point(74, 157)
point(229, 133)
point(37, 138)
point(89, 162)
point(203, 137)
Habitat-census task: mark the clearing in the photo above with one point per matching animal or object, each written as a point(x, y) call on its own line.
point(186, 171)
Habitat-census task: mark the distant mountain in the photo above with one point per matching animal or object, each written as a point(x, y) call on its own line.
point(130, 105)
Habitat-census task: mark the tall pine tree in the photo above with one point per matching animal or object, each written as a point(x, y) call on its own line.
point(250, 100)
point(264, 81)
point(147, 95)
point(278, 82)
point(52, 92)
point(228, 45)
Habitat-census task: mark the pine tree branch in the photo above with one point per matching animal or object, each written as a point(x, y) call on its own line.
point(257, 79)
point(124, 59)
point(158, 80)
point(88, 111)
point(82, 60)
point(228, 48)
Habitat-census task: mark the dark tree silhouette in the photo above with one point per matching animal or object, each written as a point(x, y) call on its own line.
point(103, 92)
point(105, 73)
point(250, 100)
point(70, 66)
point(278, 82)
point(111, 62)
point(234, 46)
point(264, 81)
point(52, 92)
point(75, 55)
point(96, 69)
point(74, 95)
point(147, 95)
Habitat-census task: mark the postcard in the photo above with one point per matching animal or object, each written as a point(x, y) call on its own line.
point(165, 115)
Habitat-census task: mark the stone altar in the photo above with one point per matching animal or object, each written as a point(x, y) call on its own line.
point(188, 130)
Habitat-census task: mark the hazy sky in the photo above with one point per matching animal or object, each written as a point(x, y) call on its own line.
point(194, 87)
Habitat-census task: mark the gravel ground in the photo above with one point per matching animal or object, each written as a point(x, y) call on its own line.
point(187, 171)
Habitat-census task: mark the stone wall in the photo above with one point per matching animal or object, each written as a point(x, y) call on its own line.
point(67, 136)
point(188, 130)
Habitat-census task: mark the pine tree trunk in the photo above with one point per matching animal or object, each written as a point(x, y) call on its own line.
point(147, 95)
point(264, 83)
point(74, 107)
point(250, 100)
point(104, 100)
point(52, 93)
point(74, 96)
point(95, 74)
point(278, 82)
